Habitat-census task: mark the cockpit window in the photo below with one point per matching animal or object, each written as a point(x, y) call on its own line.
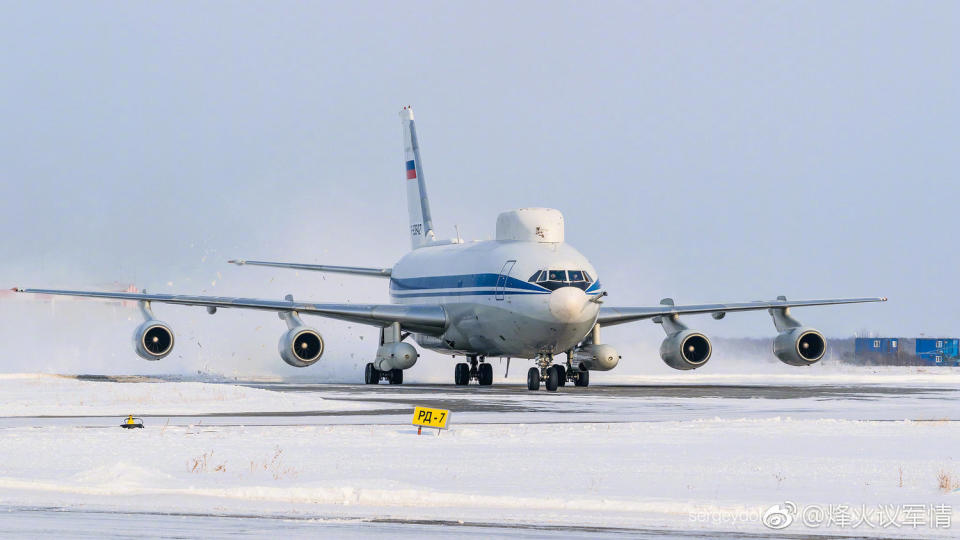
point(554, 279)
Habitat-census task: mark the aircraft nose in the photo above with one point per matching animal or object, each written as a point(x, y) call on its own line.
point(567, 303)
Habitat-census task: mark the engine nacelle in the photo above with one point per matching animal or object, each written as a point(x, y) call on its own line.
point(686, 349)
point(153, 340)
point(800, 346)
point(596, 357)
point(301, 346)
point(397, 355)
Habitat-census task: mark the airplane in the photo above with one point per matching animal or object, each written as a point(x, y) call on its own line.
point(526, 294)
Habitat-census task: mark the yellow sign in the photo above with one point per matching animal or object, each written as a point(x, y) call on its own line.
point(434, 418)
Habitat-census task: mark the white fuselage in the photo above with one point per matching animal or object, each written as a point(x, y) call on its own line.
point(493, 308)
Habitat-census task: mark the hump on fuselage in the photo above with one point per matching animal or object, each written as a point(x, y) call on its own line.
point(530, 225)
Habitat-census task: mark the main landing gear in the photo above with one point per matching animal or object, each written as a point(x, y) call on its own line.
point(479, 371)
point(372, 375)
point(555, 375)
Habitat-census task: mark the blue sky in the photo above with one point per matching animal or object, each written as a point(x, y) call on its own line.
point(706, 151)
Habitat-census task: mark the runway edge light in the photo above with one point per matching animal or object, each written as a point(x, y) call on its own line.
point(431, 418)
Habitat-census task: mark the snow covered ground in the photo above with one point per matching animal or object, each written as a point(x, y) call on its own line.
point(586, 461)
point(52, 395)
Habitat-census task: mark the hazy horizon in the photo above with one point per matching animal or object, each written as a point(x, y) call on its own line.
point(708, 152)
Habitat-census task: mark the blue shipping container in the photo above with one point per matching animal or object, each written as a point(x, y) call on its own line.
point(877, 345)
point(938, 351)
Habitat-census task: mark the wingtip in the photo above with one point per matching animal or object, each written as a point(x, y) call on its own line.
point(17, 289)
point(883, 298)
point(238, 262)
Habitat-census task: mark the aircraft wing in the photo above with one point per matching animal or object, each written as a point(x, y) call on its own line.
point(356, 270)
point(430, 319)
point(618, 315)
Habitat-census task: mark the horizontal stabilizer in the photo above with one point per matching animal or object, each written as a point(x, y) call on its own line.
point(356, 270)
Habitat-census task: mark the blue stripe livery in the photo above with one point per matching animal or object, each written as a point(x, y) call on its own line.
point(507, 292)
point(421, 287)
point(460, 281)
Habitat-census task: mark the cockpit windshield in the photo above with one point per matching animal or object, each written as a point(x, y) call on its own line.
point(554, 279)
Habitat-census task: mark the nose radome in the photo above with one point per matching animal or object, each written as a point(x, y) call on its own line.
point(567, 303)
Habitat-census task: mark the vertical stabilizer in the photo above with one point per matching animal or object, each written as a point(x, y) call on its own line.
point(421, 224)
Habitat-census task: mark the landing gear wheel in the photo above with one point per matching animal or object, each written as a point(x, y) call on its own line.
point(533, 379)
point(396, 376)
point(371, 375)
point(485, 374)
point(583, 378)
point(461, 374)
point(553, 379)
point(562, 373)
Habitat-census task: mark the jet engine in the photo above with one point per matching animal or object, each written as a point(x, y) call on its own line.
point(683, 348)
point(800, 346)
point(686, 349)
point(301, 346)
point(596, 357)
point(153, 340)
point(796, 345)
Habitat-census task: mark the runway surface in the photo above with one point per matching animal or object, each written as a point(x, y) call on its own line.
point(512, 404)
point(60, 523)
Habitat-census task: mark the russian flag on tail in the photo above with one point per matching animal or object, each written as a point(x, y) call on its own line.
point(411, 170)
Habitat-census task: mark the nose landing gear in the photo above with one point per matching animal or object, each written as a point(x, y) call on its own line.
point(476, 370)
point(545, 372)
point(555, 375)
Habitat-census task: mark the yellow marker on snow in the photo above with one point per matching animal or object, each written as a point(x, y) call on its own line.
point(431, 418)
point(132, 422)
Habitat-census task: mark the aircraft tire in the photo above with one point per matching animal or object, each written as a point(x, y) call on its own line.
point(396, 376)
point(533, 379)
point(562, 374)
point(371, 375)
point(461, 374)
point(553, 379)
point(485, 374)
point(583, 378)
